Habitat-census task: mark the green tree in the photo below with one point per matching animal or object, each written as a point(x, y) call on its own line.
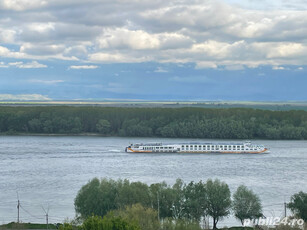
point(100, 197)
point(147, 218)
point(132, 193)
point(180, 224)
point(96, 197)
point(246, 204)
point(178, 200)
point(109, 222)
point(162, 199)
point(195, 200)
point(103, 126)
point(298, 205)
point(218, 200)
point(66, 226)
point(35, 125)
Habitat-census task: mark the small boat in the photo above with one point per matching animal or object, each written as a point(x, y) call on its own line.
point(245, 147)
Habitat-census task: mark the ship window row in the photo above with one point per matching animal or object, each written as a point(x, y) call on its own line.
point(158, 148)
point(212, 147)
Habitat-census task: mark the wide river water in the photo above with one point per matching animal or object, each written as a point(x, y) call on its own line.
point(48, 171)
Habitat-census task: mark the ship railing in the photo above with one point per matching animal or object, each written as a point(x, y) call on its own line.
point(147, 144)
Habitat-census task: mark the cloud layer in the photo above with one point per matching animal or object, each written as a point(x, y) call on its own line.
point(209, 33)
point(23, 97)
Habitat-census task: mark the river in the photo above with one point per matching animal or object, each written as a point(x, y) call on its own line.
point(48, 171)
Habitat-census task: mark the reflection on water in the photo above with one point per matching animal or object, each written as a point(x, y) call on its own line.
point(51, 170)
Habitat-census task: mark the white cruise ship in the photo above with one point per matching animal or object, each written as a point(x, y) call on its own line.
point(246, 147)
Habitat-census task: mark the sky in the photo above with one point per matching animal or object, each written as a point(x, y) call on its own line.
point(176, 50)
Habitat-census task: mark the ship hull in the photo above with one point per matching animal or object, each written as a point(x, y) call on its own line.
point(131, 150)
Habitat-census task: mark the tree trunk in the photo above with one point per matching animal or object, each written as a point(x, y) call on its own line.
point(214, 223)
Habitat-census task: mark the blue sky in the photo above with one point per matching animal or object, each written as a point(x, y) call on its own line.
point(244, 50)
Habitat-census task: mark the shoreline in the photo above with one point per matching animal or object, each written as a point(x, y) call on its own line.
point(101, 135)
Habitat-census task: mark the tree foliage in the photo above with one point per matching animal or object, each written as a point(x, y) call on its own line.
point(180, 206)
point(109, 222)
point(298, 205)
point(218, 200)
point(230, 123)
point(96, 198)
point(195, 200)
point(246, 204)
point(191, 201)
point(181, 224)
point(103, 126)
point(147, 218)
point(67, 226)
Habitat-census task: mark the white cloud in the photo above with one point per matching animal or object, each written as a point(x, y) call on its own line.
point(5, 52)
point(206, 65)
point(122, 38)
point(209, 33)
point(28, 65)
point(20, 5)
point(46, 82)
point(3, 65)
point(41, 27)
point(38, 49)
point(23, 97)
point(218, 50)
point(278, 68)
point(116, 57)
point(77, 50)
point(22, 65)
point(128, 39)
point(161, 70)
point(83, 67)
point(7, 35)
point(191, 79)
point(234, 67)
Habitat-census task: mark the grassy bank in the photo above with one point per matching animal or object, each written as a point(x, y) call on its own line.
point(14, 225)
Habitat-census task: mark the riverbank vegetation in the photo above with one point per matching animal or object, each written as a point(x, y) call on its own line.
point(160, 206)
point(14, 225)
point(234, 123)
point(183, 206)
point(123, 205)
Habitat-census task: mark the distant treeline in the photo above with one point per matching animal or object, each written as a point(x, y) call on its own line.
point(233, 123)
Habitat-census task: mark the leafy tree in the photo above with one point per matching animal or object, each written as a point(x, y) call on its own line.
point(100, 197)
point(66, 226)
point(162, 199)
point(132, 193)
point(298, 205)
point(195, 200)
point(96, 197)
point(179, 224)
point(178, 200)
point(246, 204)
point(35, 125)
point(287, 227)
point(75, 125)
point(218, 200)
point(109, 222)
point(147, 218)
point(103, 126)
